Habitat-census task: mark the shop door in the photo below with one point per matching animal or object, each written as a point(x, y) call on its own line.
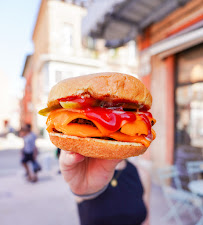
point(189, 107)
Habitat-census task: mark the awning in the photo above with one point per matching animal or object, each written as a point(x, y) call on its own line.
point(119, 21)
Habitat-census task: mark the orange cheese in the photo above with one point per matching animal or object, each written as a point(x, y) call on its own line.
point(130, 132)
point(123, 137)
point(80, 130)
point(137, 127)
point(153, 134)
point(64, 117)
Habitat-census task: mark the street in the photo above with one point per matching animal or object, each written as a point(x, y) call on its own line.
point(9, 162)
point(48, 201)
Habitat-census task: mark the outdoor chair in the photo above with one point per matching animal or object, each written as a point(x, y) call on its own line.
point(178, 200)
point(194, 169)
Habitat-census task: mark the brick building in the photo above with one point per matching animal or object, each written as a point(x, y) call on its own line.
point(169, 36)
point(26, 102)
point(175, 48)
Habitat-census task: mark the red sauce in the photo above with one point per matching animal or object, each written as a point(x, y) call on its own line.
point(148, 114)
point(147, 122)
point(85, 102)
point(111, 119)
point(108, 118)
point(105, 102)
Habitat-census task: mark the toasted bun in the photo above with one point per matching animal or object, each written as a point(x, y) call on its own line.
point(101, 85)
point(97, 148)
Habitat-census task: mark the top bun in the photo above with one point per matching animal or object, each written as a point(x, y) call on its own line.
point(101, 85)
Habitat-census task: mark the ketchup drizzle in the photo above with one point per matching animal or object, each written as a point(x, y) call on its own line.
point(69, 98)
point(147, 122)
point(84, 101)
point(148, 114)
point(111, 119)
point(108, 118)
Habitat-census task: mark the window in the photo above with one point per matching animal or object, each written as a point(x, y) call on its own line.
point(132, 52)
point(91, 43)
point(189, 97)
point(68, 35)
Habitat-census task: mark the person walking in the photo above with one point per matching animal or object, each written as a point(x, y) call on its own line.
point(29, 153)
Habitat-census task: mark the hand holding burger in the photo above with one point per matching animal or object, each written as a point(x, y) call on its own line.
point(95, 118)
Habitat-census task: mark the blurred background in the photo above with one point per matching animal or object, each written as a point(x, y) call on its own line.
point(158, 41)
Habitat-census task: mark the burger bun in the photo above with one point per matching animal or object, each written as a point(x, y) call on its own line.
point(97, 148)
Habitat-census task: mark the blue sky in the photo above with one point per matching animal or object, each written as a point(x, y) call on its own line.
point(17, 19)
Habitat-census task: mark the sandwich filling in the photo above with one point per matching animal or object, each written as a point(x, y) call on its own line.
point(115, 120)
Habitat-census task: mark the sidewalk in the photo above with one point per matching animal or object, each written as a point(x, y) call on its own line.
point(49, 201)
point(158, 208)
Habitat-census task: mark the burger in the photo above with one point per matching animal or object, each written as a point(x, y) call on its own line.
point(103, 115)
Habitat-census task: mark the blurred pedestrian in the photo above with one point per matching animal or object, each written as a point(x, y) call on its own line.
point(105, 196)
point(58, 152)
point(29, 152)
point(6, 129)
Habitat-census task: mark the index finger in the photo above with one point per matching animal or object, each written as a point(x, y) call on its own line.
point(68, 159)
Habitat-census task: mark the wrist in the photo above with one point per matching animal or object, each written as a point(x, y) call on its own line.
point(91, 195)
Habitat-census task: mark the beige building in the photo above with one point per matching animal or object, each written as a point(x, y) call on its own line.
point(60, 52)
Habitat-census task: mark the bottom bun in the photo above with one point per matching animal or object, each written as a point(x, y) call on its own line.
point(97, 148)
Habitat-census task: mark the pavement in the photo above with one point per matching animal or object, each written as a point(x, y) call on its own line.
point(50, 201)
point(47, 202)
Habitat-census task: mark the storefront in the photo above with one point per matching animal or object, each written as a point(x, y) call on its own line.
point(188, 108)
point(169, 37)
point(189, 97)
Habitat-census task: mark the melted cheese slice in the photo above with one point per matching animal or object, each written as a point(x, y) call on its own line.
point(130, 132)
point(137, 127)
point(64, 117)
point(136, 138)
point(80, 130)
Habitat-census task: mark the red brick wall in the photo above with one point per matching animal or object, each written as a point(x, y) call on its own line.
point(26, 114)
point(181, 18)
point(161, 79)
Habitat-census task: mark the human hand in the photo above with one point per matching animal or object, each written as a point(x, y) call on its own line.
point(86, 175)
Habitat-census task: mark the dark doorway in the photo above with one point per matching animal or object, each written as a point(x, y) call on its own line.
point(188, 108)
